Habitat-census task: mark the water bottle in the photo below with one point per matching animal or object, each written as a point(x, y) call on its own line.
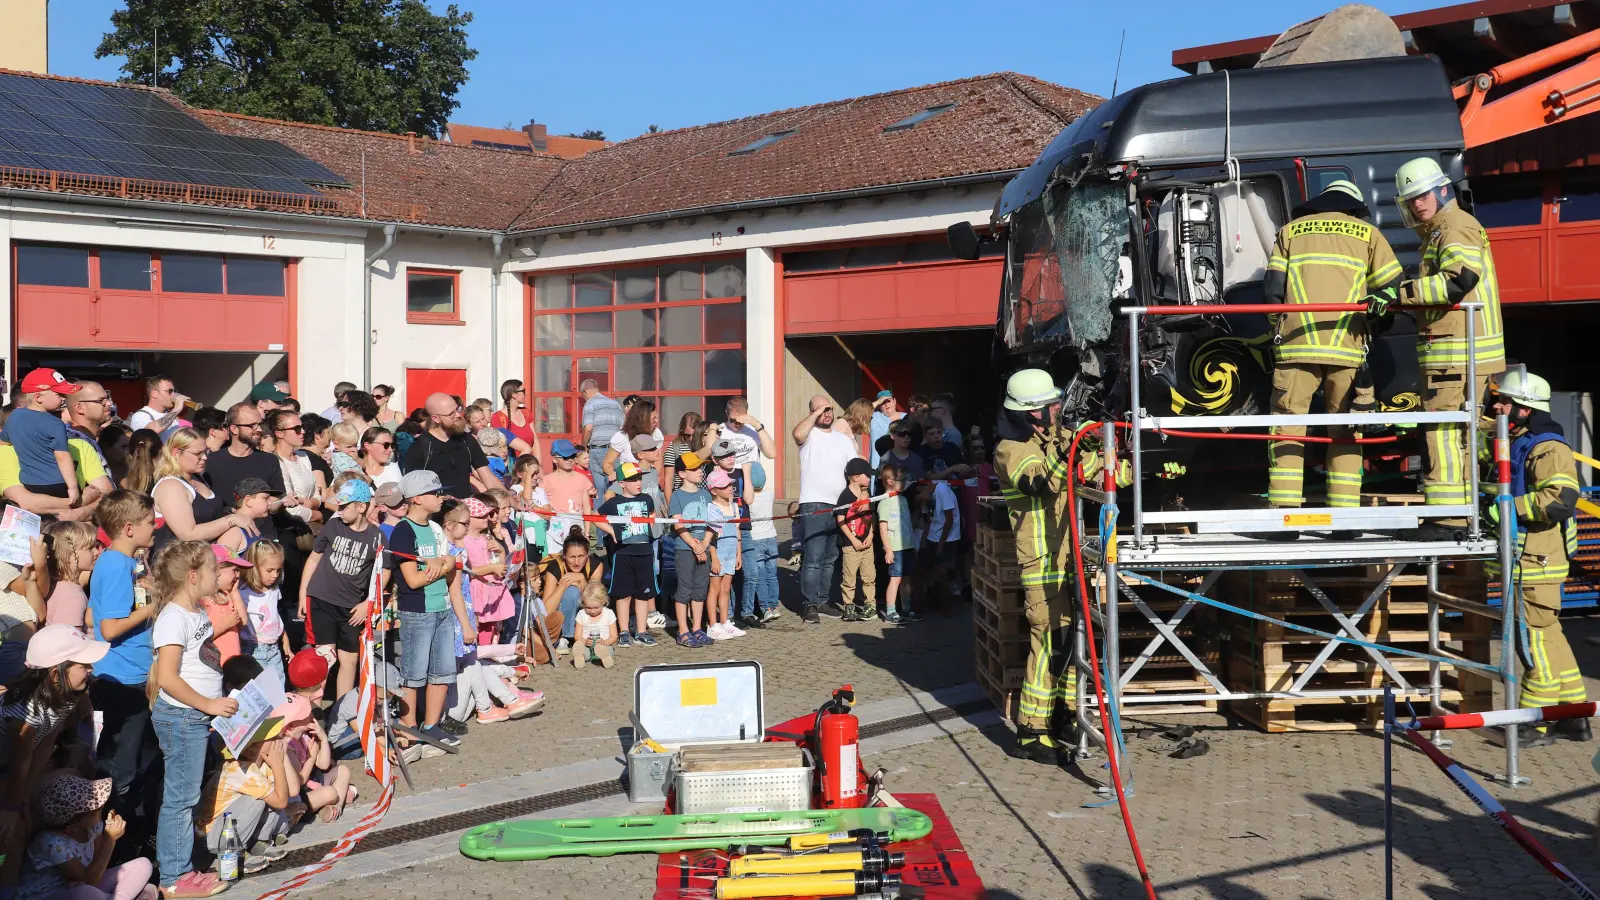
point(230, 852)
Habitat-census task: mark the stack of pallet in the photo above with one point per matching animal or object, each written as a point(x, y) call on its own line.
point(1268, 657)
point(1165, 672)
point(1000, 630)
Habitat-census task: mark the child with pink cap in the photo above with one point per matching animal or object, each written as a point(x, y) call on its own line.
point(723, 515)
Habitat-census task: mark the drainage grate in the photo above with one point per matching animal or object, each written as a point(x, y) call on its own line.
point(512, 809)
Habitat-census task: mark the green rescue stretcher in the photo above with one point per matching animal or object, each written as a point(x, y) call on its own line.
point(546, 838)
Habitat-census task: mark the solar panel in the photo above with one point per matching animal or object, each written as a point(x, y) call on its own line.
point(260, 147)
point(309, 170)
point(34, 143)
point(17, 84)
point(148, 135)
point(77, 164)
point(116, 152)
point(151, 173)
point(280, 183)
point(17, 120)
point(79, 128)
point(223, 179)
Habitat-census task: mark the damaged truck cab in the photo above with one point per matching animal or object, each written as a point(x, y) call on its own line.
point(1172, 194)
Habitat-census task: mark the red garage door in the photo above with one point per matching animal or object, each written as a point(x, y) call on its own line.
point(117, 298)
point(896, 286)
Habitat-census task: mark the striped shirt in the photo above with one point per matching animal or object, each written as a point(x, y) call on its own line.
point(605, 415)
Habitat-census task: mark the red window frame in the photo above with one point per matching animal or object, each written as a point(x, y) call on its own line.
point(572, 412)
point(451, 318)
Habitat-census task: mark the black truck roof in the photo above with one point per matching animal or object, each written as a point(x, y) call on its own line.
point(1398, 104)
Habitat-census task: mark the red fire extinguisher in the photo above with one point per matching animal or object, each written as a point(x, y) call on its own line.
point(841, 782)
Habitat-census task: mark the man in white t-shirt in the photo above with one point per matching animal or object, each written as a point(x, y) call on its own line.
point(749, 437)
point(163, 403)
point(823, 455)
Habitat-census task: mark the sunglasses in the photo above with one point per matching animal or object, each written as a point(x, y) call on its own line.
point(384, 443)
point(904, 434)
point(298, 429)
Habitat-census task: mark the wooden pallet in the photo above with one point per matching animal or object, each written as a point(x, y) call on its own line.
point(1008, 626)
point(1001, 568)
point(1001, 599)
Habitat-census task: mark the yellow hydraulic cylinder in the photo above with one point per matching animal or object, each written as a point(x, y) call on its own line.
point(832, 884)
point(873, 860)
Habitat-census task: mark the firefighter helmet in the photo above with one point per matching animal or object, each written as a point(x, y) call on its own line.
point(1031, 389)
point(1417, 177)
point(1525, 389)
point(1346, 187)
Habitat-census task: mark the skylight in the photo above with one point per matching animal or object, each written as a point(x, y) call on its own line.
point(765, 141)
point(920, 116)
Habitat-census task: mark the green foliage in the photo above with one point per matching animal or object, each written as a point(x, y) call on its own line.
point(381, 65)
point(593, 134)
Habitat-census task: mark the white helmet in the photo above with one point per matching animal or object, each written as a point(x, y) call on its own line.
point(1417, 177)
point(1524, 388)
point(1031, 389)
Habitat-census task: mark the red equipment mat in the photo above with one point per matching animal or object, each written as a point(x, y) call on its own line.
point(937, 863)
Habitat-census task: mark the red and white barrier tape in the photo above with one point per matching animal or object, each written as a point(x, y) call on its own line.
point(1505, 820)
point(1532, 715)
point(340, 850)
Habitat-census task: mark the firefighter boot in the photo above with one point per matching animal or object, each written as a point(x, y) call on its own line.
point(1033, 745)
point(1572, 730)
point(1528, 737)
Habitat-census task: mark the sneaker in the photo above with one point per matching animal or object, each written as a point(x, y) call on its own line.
point(526, 704)
point(733, 630)
point(453, 726)
point(718, 632)
point(442, 737)
point(701, 639)
point(912, 616)
point(771, 615)
point(625, 639)
point(751, 622)
point(850, 614)
point(892, 617)
point(563, 647)
point(656, 621)
point(644, 639)
point(828, 610)
point(492, 715)
point(420, 751)
point(809, 615)
point(867, 613)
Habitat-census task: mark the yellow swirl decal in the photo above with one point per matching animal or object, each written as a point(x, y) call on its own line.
point(1214, 375)
point(1405, 402)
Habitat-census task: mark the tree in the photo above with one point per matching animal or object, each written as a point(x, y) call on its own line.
point(593, 134)
point(654, 129)
point(380, 65)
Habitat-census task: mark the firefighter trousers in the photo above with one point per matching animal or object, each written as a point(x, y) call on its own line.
point(1293, 385)
point(1554, 677)
point(1049, 684)
point(1445, 482)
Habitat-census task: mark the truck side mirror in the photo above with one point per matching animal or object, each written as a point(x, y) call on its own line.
point(963, 240)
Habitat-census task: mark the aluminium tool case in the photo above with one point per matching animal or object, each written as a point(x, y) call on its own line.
point(699, 706)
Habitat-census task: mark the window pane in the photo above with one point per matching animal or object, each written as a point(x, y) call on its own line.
point(191, 273)
point(552, 292)
point(725, 323)
point(259, 277)
point(725, 279)
point(636, 328)
point(1582, 205)
point(1504, 201)
point(552, 373)
point(673, 408)
point(636, 286)
point(593, 330)
point(680, 326)
point(596, 367)
point(550, 415)
point(552, 332)
point(681, 371)
point(681, 283)
point(430, 294)
point(54, 266)
point(592, 289)
point(875, 255)
point(635, 372)
point(725, 370)
point(124, 270)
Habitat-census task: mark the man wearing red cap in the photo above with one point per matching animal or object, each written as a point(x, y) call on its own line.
point(40, 437)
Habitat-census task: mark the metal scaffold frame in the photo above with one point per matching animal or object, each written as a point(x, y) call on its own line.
point(1228, 540)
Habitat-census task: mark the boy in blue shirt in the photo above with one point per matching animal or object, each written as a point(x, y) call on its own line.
point(36, 431)
point(128, 747)
point(631, 547)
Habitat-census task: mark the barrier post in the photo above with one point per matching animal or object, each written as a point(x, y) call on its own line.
point(1509, 600)
point(1112, 643)
point(1388, 791)
point(1136, 438)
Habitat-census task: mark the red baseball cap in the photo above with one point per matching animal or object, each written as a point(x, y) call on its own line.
point(307, 669)
point(47, 380)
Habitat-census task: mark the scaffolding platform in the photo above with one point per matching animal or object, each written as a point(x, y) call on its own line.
point(1225, 550)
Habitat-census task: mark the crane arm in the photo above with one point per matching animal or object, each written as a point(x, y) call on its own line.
point(1567, 94)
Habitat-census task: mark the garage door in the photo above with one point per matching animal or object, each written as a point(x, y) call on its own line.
point(117, 298)
point(899, 286)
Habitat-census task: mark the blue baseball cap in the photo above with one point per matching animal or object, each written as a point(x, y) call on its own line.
point(563, 448)
point(355, 491)
point(758, 476)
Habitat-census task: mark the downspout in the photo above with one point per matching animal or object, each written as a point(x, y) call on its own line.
point(494, 315)
point(366, 305)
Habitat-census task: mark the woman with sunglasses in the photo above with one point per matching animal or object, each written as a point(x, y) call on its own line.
point(388, 418)
point(377, 456)
point(186, 507)
point(513, 419)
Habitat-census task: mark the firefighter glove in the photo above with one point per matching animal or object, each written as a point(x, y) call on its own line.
point(1379, 301)
point(1171, 470)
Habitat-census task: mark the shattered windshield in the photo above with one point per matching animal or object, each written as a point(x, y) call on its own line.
point(1064, 264)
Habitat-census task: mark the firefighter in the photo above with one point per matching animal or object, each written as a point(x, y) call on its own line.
point(1033, 470)
point(1329, 252)
point(1457, 266)
point(1544, 486)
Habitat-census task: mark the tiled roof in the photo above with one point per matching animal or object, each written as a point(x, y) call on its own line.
point(555, 144)
point(999, 123)
point(994, 124)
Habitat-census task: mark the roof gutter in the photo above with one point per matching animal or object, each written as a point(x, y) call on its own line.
point(366, 304)
point(770, 202)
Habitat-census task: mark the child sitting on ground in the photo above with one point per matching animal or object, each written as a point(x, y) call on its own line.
point(263, 635)
point(70, 856)
point(73, 550)
point(595, 633)
point(309, 752)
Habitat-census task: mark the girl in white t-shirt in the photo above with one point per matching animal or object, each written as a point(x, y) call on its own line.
point(594, 633)
point(187, 679)
point(263, 636)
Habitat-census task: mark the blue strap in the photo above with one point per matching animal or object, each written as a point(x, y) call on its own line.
point(1382, 648)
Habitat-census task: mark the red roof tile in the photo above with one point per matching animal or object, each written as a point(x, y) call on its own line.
point(555, 144)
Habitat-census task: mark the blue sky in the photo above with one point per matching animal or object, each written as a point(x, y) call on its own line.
point(621, 67)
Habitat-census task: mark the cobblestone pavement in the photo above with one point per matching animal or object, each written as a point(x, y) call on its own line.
point(1261, 816)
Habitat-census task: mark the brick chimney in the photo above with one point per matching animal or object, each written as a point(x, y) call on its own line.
point(537, 135)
